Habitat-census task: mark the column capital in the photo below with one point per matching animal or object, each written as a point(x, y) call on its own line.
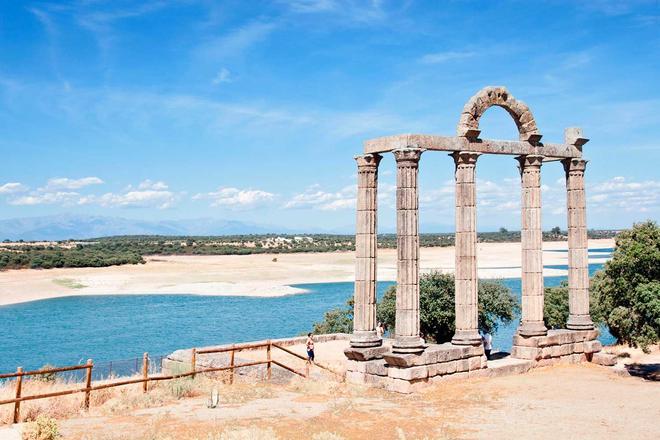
point(368, 160)
point(407, 154)
point(465, 157)
point(574, 164)
point(530, 161)
point(573, 136)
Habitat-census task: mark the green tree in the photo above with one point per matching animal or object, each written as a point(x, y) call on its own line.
point(628, 289)
point(556, 230)
point(497, 305)
point(339, 320)
point(555, 308)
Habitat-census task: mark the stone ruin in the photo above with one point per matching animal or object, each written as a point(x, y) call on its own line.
point(410, 362)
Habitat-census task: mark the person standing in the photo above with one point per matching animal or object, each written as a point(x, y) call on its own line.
point(380, 331)
point(487, 339)
point(310, 348)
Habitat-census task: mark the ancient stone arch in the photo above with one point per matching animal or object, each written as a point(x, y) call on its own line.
point(468, 125)
point(410, 359)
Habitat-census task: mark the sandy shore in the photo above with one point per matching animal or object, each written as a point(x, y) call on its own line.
point(254, 275)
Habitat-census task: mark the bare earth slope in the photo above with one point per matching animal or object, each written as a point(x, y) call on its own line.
point(577, 401)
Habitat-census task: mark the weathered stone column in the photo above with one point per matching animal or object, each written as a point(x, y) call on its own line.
point(467, 306)
point(364, 314)
point(531, 241)
point(407, 337)
point(578, 253)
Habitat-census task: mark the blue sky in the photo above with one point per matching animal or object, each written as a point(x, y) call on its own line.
point(253, 111)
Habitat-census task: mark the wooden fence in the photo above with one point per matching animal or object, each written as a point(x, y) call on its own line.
point(145, 379)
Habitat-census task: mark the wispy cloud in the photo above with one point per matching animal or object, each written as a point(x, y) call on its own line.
point(443, 57)
point(12, 188)
point(235, 42)
point(223, 76)
point(236, 198)
point(350, 12)
point(67, 183)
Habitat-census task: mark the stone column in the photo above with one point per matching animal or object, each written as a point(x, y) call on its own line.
point(407, 337)
point(578, 253)
point(467, 306)
point(364, 312)
point(531, 241)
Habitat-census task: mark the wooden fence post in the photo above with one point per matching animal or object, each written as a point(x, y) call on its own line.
point(193, 362)
point(145, 371)
point(269, 359)
point(231, 364)
point(88, 382)
point(19, 386)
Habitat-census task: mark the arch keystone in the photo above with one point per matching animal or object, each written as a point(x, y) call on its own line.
point(476, 106)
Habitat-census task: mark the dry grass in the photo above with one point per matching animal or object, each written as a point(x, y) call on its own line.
point(122, 399)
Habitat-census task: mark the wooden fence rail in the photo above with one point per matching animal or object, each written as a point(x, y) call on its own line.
point(145, 378)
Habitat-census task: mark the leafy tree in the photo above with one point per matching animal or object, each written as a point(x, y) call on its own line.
point(436, 303)
point(556, 310)
point(628, 289)
point(339, 320)
point(556, 230)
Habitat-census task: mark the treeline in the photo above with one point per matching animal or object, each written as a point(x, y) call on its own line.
point(112, 251)
point(49, 257)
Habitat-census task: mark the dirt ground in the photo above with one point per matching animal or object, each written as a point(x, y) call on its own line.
point(577, 401)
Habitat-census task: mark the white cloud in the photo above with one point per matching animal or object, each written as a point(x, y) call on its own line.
point(135, 199)
point(12, 188)
point(223, 76)
point(620, 194)
point(148, 194)
point(46, 198)
point(66, 183)
point(315, 198)
point(236, 198)
point(149, 184)
point(442, 57)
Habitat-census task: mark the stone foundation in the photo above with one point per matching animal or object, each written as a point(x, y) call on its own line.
point(558, 346)
point(405, 373)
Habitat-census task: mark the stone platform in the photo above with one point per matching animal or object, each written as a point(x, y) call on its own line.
point(558, 346)
point(405, 373)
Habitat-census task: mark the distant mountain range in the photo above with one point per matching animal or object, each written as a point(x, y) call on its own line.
point(69, 226)
point(63, 227)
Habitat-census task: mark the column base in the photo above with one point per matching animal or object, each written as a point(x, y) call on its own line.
point(466, 337)
point(365, 339)
point(579, 322)
point(408, 344)
point(532, 328)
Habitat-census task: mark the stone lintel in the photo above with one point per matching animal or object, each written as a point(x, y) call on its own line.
point(459, 143)
point(434, 353)
point(555, 337)
point(365, 354)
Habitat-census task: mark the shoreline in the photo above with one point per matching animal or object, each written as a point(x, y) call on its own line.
point(256, 275)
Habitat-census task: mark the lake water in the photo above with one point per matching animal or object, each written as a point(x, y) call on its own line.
point(66, 331)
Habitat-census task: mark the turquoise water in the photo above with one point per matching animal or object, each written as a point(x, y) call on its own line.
point(66, 331)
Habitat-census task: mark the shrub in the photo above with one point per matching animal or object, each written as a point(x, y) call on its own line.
point(46, 377)
point(44, 428)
